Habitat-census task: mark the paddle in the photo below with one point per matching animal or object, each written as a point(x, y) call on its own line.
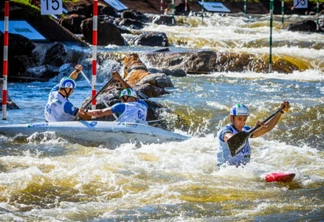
point(236, 143)
point(86, 106)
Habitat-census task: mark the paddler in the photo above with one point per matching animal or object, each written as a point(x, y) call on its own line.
point(130, 109)
point(58, 107)
point(238, 117)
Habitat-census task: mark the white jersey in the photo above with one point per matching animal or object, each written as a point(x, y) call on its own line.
point(134, 112)
point(58, 108)
point(223, 152)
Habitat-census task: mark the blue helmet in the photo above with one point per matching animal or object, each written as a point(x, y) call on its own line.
point(239, 110)
point(67, 82)
point(128, 92)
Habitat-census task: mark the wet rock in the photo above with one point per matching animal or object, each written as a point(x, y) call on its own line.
point(19, 54)
point(135, 15)
point(72, 22)
point(162, 20)
point(131, 23)
point(55, 55)
point(303, 26)
point(108, 33)
point(151, 39)
point(205, 62)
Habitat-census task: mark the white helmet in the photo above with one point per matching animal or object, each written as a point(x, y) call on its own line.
point(239, 110)
point(67, 82)
point(128, 92)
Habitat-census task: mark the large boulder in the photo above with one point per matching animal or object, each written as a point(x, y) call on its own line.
point(108, 33)
point(303, 26)
point(72, 22)
point(19, 56)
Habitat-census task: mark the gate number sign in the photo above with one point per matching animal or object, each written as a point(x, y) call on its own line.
point(301, 3)
point(51, 7)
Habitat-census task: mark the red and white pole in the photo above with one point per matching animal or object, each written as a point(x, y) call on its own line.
point(161, 6)
point(94, 51)
point(5, 61)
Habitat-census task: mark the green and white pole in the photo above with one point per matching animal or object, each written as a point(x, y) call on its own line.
point(282, 13)
point(270, 42)
point(202, 10)
point(317, 12)
point(172, 12)
point(244, 9)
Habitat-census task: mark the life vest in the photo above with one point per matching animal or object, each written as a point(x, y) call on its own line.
point(223, 152)
point(134, 112)
point(58, 108)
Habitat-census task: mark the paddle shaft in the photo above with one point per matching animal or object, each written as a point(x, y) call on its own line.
point(86, 106)
point(237, 141)
point(264, 121)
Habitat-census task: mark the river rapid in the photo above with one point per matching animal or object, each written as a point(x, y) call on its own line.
point(47, 178)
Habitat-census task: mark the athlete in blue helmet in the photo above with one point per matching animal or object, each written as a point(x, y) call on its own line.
point(238, 117)
point(131, 109)
point(58, 107)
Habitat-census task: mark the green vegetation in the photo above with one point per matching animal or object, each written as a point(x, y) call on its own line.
point(256, 1)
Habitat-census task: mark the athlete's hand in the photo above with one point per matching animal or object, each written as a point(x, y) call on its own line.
point(96, 113)
point(260, 124)
point(286, 105)
point(78, 68)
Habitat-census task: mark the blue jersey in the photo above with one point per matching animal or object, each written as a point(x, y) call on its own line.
point(223, 152)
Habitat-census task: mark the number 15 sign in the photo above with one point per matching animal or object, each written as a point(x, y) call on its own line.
point(51, 7)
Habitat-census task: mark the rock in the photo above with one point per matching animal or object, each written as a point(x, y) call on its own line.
point(162, 20)
point(303, 26)
point(207, 61)
point(19, 55)
point(55, 55)
point(108, 33)
point(131, 23)
point(72, 22)
point(151, 39)
point(135, 15)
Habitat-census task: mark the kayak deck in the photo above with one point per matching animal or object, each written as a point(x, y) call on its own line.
point(279, 177)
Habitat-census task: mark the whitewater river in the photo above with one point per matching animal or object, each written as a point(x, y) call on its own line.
point(47, 178)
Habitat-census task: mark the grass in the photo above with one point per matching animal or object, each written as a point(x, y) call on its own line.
point(256, 1)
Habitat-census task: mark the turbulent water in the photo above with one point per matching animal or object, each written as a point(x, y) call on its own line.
point(47, 178)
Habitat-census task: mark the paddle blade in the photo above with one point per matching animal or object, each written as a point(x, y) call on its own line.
point(236, 143)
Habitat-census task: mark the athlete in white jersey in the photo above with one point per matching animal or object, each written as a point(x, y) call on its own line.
point(238, 116)
point(58, 107)
point(130, 109)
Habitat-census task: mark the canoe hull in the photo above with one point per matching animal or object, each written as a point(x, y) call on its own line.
point(96, 132)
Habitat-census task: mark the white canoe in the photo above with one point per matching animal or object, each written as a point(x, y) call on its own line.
point(96, 132)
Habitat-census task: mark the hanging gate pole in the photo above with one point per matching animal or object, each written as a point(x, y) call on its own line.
point(5, 61)
point(282, 13)
point(94, 51)
point(317, 12)
point(172, 12)
point(244, 9)
point(270, 42)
